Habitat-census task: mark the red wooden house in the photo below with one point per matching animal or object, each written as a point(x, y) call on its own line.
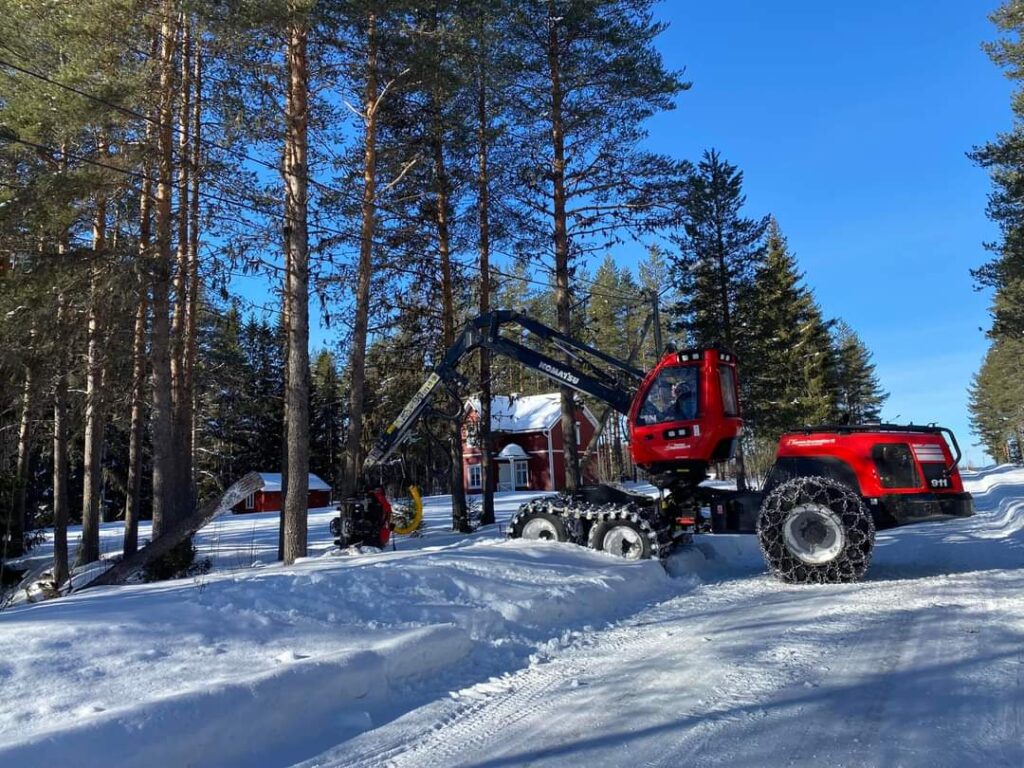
point(268, 498)
point(527, 440)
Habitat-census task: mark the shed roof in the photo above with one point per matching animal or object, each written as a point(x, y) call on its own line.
point(272, 482)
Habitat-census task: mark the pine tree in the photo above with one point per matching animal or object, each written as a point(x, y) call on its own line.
point(364, 24)
point(63, 187)
point(1004, 159)
point(591, 78)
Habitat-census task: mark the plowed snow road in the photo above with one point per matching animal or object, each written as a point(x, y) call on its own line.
point(922, 665)
point(474, 651)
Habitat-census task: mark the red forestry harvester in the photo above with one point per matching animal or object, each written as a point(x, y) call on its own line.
point(830, 489)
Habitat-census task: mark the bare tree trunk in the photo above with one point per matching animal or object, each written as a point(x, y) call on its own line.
point(61, 503)
point(483, 208)
point(165, 511)
point(61, 509)
point(357, 364)
point(95, 423)
point(616, 461)
point(16, 522)
point(460, 514)
point(192, 313)
point(180, 396)
point(285, 323)
point(296, 209)
point(286, 303)
point(131, 506)
point(561, 236)
point(723, 287)
point(136, 430)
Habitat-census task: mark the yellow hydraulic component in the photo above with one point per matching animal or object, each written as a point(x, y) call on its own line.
point(412, 523)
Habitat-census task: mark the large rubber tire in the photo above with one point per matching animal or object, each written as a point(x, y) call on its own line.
point(623, 536)
point(815, 530)
point(533, 523)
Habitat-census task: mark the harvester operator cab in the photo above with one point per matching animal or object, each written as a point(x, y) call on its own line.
point(686, 411)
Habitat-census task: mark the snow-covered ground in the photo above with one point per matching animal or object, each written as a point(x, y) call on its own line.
point(475, 651)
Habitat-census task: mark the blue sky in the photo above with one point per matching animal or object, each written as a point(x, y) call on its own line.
point(850, 122)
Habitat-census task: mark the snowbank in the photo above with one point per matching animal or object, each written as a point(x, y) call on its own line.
point(267, 665)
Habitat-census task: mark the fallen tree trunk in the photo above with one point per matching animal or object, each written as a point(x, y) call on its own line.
point(176, 533)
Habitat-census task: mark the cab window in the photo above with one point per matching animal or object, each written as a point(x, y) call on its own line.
point(727, 380)
point(672, 396)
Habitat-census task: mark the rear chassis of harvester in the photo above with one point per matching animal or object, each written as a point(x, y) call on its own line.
point(829, 490)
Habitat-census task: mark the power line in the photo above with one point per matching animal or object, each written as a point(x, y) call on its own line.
point(244, 155)
point(259, 161)
point(182, 131)
point(318, 228)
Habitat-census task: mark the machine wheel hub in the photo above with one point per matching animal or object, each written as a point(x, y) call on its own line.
point(813, 534)
point(540, 529)
point(623, 541)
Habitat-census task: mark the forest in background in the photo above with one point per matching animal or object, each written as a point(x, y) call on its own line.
point(400, 167)
point(997, 392)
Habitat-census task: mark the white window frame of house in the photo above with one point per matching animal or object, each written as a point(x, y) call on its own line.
point(523, 480)
point(474, 476)
point(250, 501)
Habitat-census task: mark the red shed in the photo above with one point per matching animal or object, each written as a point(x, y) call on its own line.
point(268, 498)
point(527, 438)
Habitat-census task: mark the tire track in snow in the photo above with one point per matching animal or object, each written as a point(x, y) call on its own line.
point(482, 714)
point(858, 728)
point(831, 689)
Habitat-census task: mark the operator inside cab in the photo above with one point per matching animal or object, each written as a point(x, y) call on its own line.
point(672, 397)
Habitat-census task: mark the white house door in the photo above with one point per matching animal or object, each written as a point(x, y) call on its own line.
point(505, 476)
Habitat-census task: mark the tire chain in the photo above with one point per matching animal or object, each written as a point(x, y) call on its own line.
point(858, 527)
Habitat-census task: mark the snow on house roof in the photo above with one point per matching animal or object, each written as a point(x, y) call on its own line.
point(272, 482)
point(524, 413)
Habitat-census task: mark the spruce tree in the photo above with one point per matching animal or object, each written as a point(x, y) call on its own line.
point(789, 374)
point(719, 253)
point(656, 283)
point(861, 396)
point(715, 266)
point(325, 416)
point(997, 398)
